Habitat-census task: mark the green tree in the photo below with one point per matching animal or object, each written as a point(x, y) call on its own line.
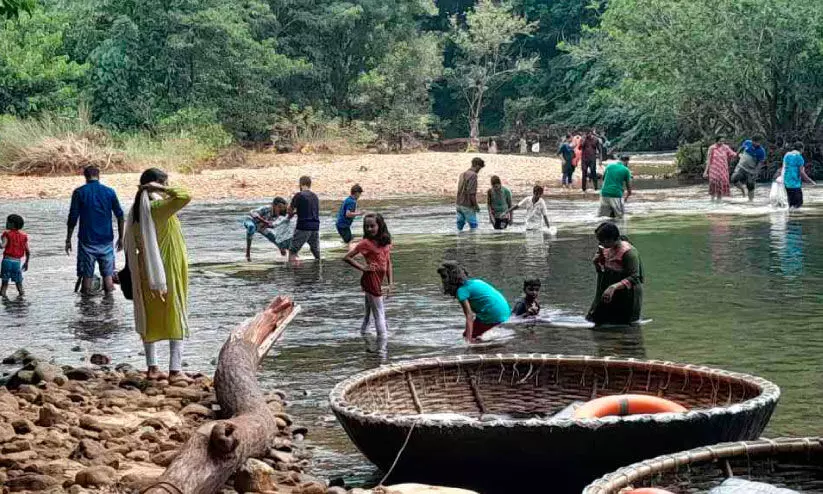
point(705, 67)
point(35, 73)
point(12, 8)
point(486, 55)
point(394, 96)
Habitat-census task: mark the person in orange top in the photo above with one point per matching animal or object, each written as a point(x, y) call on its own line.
point(15, 245)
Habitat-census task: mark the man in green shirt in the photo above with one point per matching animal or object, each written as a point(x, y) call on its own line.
point(611, 195)
point(499, 200)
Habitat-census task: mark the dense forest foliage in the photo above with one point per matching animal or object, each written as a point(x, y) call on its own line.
point(650, 73)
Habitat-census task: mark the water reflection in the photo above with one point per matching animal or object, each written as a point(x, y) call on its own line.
point(720, 241)
point(786, 245)
point(96, 317)
point(16, 307)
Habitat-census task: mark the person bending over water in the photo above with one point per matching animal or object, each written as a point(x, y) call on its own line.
point(619, 296)
point(270, 222)
point(483, 306)
point(376, 250)
point(498, 201)
point(752, 157)
point(527, 305)
point(158, 263)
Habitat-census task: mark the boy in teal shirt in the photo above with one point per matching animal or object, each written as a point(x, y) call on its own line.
point(616, 176)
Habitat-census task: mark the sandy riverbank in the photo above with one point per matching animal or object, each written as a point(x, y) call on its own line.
point(382, 176)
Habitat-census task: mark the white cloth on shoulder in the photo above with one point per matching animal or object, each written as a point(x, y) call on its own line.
point(144, 257)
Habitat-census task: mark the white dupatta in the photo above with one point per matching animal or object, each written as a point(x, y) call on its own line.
point(143, 256)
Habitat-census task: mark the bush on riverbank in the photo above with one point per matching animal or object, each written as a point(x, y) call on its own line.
point(52, 145)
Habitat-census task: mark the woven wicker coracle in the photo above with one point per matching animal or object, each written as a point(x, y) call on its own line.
point(792, 463)
point(486, 422)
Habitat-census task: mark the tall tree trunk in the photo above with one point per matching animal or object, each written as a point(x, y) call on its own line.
point(474, 132)
point(219, 448)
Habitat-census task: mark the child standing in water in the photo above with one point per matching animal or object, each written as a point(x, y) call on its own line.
point(376, 251)
point(347, 213)
point(483, 306)
point(535, 207)
point(270, 222)
point(527, 305)
point(15, 245)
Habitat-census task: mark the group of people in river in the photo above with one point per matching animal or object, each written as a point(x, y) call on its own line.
point(155, 276)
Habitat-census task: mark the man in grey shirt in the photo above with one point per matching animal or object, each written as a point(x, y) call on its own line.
point(467, 207)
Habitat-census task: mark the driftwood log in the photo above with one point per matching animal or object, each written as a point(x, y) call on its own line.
point(247, 426)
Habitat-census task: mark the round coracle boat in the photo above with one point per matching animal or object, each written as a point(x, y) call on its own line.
point(495, 423)
point(791, 463)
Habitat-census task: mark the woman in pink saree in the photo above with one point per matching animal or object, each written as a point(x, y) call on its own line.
point(717, 168)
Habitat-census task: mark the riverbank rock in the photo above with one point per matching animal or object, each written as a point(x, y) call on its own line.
point(85, 429)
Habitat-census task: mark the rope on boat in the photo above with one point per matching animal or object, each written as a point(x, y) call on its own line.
point(399, 453)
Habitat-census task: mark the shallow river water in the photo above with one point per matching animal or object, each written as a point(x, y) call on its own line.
point(735, 286)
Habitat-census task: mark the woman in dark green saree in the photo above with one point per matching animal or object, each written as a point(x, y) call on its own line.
point(619, 295)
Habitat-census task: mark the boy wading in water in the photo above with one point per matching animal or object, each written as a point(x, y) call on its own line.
point(616, 176)
point(527, 305)
point(535, 207)
point(483, 306)
point(270, 222)
point(466, 202)
point(498, 201)
point(376, 251)
point(347, 213)
point(15, 244)
point(306, 206)
point(752, 156)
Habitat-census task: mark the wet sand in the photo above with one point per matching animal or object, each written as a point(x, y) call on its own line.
point(381, 176)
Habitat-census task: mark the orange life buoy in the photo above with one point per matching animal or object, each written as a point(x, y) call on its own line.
point(649, 490)
point(626, 405)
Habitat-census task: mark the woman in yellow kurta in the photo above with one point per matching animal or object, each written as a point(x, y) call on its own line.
point(157, 259)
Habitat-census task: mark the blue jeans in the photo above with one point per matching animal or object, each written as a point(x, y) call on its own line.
point(345, 233)
point(89, 255)
point(11, 270)
point(466, 215)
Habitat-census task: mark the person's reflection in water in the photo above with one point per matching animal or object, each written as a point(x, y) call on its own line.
point(719, 246)
point(17, 307)
point(96, 317)
point(624, 342)
point(307, 273)
point(787, 246)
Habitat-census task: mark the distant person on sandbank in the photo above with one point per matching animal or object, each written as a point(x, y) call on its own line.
point(618, 298)
point(616, 177)
point(158, 264)
point(466, 202)
point(498, 202)
point(92, 205)
point(752, 157)
point(566, 154)
point(717, 169)
point(590, 150)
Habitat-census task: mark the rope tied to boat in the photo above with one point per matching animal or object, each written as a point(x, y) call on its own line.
point(399, 454)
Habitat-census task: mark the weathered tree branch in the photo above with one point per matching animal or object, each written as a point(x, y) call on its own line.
point(218, 449)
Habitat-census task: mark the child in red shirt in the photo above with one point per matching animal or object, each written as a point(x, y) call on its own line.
point(15, 245)
point(376, 251)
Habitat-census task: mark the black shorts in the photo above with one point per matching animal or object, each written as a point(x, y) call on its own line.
point(795, 197)
point(345, 233)
point(501, 223)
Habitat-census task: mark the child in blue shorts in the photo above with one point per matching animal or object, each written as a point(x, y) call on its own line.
point(483, 306)
point(15, 245)
point(271, 222)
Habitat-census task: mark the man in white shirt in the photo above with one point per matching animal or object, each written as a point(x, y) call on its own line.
point(535, 208)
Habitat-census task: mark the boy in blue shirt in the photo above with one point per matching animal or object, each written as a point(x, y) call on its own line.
point(752, 156)
point(347, 213)
point(794, 174)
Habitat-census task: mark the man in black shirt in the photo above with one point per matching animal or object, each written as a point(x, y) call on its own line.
point(306, 206)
